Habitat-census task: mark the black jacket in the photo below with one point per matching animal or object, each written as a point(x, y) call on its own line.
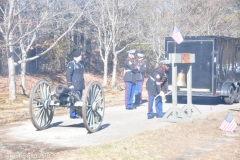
point(130, 71)
point(74, 75)
point(141, 65)
point(158, 75)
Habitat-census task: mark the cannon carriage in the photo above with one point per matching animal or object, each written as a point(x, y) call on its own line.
point(43, 100)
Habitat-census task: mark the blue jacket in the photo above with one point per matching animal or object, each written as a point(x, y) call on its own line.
point(74, 75)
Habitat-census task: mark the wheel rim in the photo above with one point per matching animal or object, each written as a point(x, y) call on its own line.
point(238, 93)
point(93, 107)
point(231, 95)
point(40, 111)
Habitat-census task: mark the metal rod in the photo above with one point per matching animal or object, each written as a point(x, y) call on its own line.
point(174, 86)
point(189, 89)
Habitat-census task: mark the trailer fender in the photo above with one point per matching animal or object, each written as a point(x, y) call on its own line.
point(237, 84)
point(225, 91)
point(237, 93)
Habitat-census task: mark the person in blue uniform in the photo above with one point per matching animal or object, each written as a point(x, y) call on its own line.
point(141, 66)
point(154, 85)
point(75, 77)
point(130, 79)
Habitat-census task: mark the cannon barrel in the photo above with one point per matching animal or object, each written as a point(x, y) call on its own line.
point(62, 90)
point(67, 94)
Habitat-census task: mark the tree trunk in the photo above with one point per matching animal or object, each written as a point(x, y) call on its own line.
point(11, 70)
point(114, 72)
point(23, 77)
point(105, 70)
point(12, 82)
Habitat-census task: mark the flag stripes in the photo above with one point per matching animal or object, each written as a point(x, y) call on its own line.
point(176, 35)
point(228, 124)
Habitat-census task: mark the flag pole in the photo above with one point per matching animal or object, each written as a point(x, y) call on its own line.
point(175, 43)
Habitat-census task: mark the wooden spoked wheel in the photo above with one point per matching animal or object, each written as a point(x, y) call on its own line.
point(93, 107)
point(41, 113)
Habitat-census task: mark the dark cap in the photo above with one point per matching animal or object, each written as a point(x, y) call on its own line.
point(76, 53)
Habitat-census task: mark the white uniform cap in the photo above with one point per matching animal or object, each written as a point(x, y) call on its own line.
point(140, 55)
point(165, 61)
point(132, 51)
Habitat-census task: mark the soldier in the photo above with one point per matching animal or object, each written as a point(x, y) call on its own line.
point(75, 78)
point(129, 79)
point(157, 79)
point(141, 66)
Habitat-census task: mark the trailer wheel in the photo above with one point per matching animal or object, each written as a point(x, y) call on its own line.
point(230, 98)
point(237, 95)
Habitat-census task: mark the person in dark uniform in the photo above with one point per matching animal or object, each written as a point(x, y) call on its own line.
point(75, 78)
point(130, 79)
point(154, 85)
point(141, 66)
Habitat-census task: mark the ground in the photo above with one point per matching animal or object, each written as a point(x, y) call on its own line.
point(181, 141)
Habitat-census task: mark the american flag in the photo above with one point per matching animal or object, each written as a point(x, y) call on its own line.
point(228, 124)
point(176, 35)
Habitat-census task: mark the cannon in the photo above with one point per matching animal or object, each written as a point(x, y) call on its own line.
point(43, 100)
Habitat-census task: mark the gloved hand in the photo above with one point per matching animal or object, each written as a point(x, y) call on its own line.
point(162, 94)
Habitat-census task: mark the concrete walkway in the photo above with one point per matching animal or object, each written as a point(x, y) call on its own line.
point(118, 123)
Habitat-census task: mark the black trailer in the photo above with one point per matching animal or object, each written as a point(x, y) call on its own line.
point(216, 71)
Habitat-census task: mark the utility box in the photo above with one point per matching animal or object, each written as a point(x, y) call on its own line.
point(216, 70)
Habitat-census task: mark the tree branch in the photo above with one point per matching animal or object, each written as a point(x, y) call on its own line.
point(70, 27)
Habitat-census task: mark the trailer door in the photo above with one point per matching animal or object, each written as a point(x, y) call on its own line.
point(202, 68)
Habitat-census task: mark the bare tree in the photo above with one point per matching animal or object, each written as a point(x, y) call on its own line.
point(110, 18)
point(99, 19)
point(122, 30)
point(21, 20)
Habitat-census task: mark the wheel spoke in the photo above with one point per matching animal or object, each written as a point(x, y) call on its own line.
point(45, 91)
point(40, 95)
point(48, 92)
point(100, 98)
point(99, 91)
point(89, 116)
point(36, 100)
point(40, 118)
point(47, 113)
point(92, 96)
point(38, 106)
point(94, 92)
point(38, 112)
point(99, 115)
point(41, 92)
point(45, 116)
point(91, 120)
